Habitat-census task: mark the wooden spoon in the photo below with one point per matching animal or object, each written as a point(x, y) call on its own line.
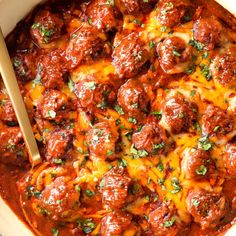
point(9, 79)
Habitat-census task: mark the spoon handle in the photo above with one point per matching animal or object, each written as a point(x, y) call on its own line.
point(9, 79)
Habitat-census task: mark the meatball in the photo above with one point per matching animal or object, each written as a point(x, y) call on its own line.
point(7, 113)
point(208, 32)
point(47, 27)
point(85, 44)
point(216, 121)
point(229, 157)
point(206, 208)
point(174, 55)
point(129, 54)
point(58, 143)
point(178, 113)
point(92, 95)
point(133, 99)
point(197, 164)
point(115, 185)
point(134, 7)
point(54, 105)
point(12, 148)
point(115, 223)
point(25, 64)
point(51, 69)
point(59, 200)
point(130, 7)
point(174, 12)
point(223, 67)
point(102, 140)
point(153, 139)
point(163, 221)
point(102, 14)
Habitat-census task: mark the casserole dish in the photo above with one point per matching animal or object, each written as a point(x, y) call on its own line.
point(7, 27)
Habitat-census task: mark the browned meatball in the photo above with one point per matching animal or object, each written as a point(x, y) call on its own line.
point(115, 185)
point(102, 140)
point(58, 143)
point(208, 32)
point(47, 27)
point(152, 138)
point(216, 121)
point(7, 113)
point(12, 148)
point(174, 12)
point(197, 164)
point(129, 54)
point(163, 221)
point(174, 55)
point(207, 208)
point(115, 223)
point(51, 68)
point(84, 45)
point(178, 113)
point(93, 95)
point(223, 67)
point(54, 105)
point(129, 6)
point(59, 200)
point(133, 99)
point(25, 64)
point(102, 14)
point(229, 157)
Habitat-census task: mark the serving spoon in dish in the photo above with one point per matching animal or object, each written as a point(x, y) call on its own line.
point(9, 79)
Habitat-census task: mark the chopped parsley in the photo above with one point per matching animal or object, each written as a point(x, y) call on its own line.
point(191, 69)
point(52, 113)
point(160, 166)
point(109, 152)
point(138, 22)
point(118, 121)
point(163, 29)
point(89, 193)
point(195, 202)
point(55, 232)
point(169, 223)
point(32, 192)
point(132, 120)
point(205, 71)
point(204, 143)
point(122, 162)
point(176, 53)
point(158, 114)
point(46, 33)
point(176, 185)
point(138, 153)
point(90, 21)
point(151, 44)
point(71, 85)
point(192, 93)
point(110, 3)
point(205, 55)
point(87, 226)
point(59, 161)
point(194, 43)
point(119, 109)
point(159, 146)
point(202, 170)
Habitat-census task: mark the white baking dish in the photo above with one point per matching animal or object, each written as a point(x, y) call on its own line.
point(12, 11)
